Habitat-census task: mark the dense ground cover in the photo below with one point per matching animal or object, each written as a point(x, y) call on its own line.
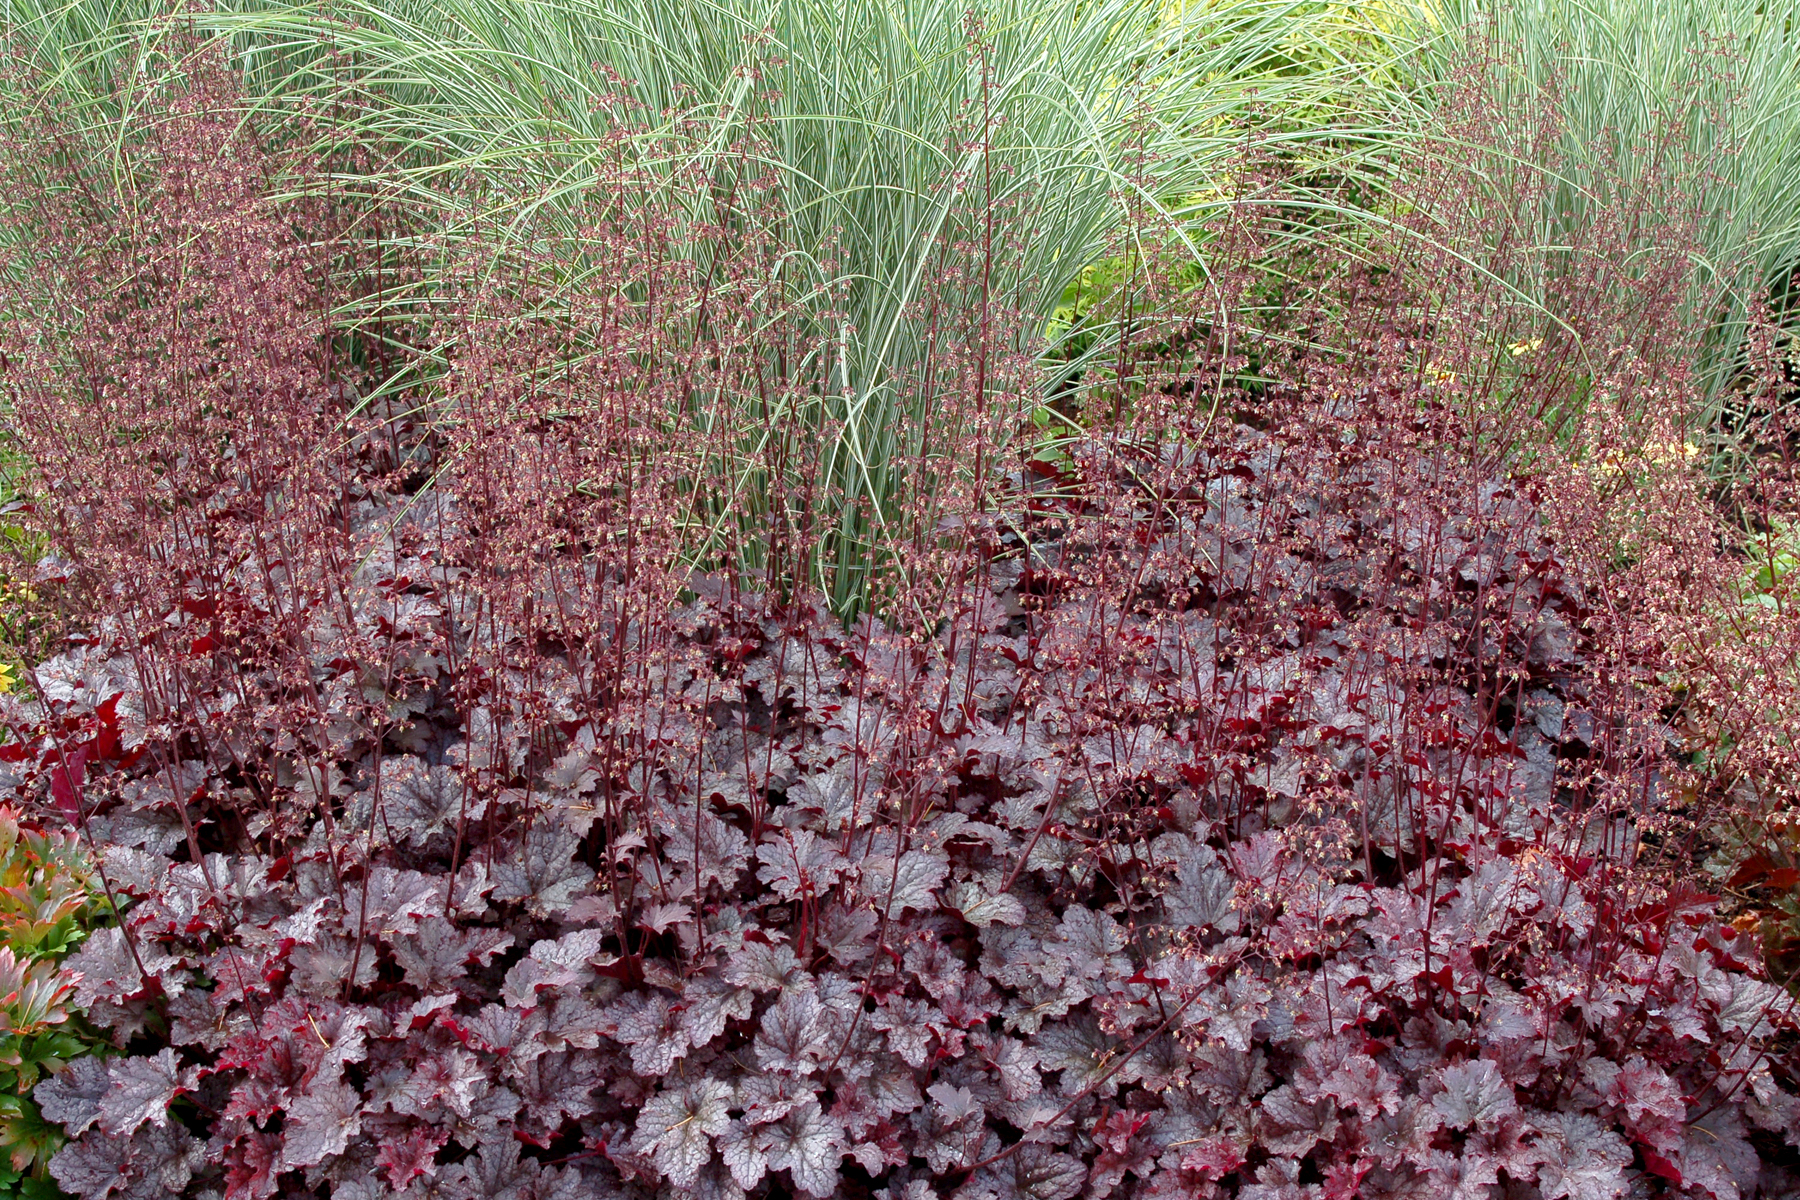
point(1289, 780)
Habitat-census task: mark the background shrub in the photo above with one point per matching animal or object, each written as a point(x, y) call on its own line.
point(49, 900)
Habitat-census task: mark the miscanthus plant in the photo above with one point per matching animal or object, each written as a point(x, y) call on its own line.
point(1270, 795)
point(893, 130)
point(1708, 89)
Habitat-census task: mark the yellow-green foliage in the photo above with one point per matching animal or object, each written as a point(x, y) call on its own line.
point(48, 902)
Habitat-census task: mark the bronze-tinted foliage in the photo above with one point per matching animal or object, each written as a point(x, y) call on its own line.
point(1270, 796)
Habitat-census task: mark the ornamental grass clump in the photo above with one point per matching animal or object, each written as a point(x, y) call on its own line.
point(1265, 794)
point(1697, 97)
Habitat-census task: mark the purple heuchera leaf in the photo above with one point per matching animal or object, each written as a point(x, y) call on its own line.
point(419, 801)
point(320, 1122)
point(980, 908)
point(646, 1022)
point(1033, 1172)
point(553, 964)
point(154, 1163)
point(808, 1146)
point(720, 853)
point(796, 1035)
point(556, 1085)
point(677, 1127)
point(797, 862)
point(395, 900)
point(762, 968)
point(439, 954)
point(107, 970)
point(448, 1080)
point(833, 793)
point(907, 1026)
point(498, 1172)
point(1579, 1158)
point(1475, 1096)
point(1715, 1158)
point(72, 1097)
point(141, 1089)
point(544, 872)
point(743, 1155)
point(1203, 893)
point(911, 887)
point(710, 1003)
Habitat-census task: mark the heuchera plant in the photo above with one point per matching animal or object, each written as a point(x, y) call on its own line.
point(1258, 801)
